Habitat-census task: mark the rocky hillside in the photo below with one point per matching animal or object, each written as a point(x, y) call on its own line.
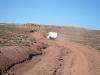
point(11, 34)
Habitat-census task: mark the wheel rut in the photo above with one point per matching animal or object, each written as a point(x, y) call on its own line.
point(50, 62)
point(65, 58)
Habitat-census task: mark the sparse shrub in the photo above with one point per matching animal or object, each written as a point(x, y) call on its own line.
point(16, 39)
point(33, 31)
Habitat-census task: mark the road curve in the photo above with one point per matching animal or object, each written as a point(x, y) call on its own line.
point(67, 58)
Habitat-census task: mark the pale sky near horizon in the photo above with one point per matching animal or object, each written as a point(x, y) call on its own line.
point(83, 13)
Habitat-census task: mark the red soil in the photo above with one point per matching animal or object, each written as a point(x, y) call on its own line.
point(59, 58)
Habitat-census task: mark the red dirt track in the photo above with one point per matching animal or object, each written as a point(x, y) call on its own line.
point(66, 58)
point(62, 58)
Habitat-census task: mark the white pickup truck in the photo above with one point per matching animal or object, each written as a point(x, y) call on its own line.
point(52, 35)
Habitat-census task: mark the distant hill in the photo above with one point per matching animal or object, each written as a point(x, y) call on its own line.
point(76, 34)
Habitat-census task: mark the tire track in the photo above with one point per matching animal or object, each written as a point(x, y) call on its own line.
point(92, 56)
point(66, 58)
point(76, 63)
point(49, 62)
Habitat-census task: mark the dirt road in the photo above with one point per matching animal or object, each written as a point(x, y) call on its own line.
point(66, 58)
